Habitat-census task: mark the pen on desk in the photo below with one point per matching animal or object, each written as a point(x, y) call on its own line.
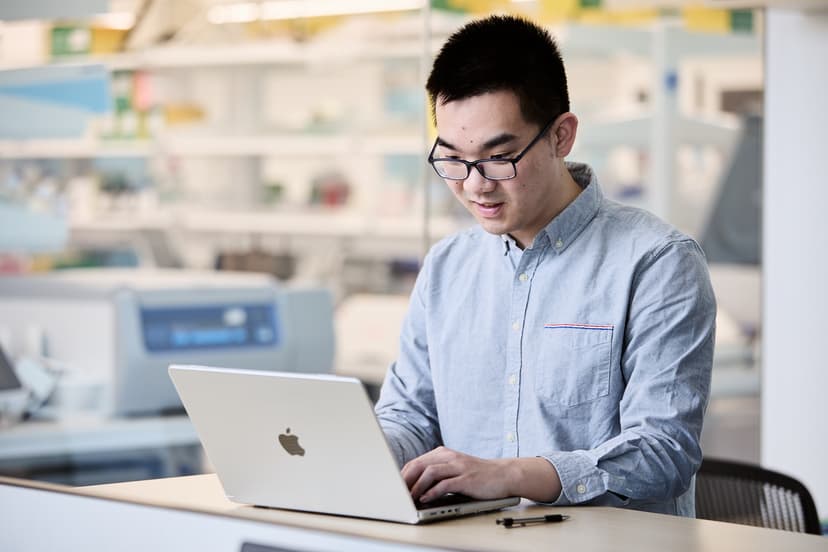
point(522, 522)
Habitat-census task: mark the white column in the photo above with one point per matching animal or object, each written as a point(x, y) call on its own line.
point(794, 436)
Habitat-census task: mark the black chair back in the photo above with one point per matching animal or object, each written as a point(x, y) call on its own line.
point(747, 494)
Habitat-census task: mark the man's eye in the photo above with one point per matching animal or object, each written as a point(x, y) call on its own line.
point(499, 156)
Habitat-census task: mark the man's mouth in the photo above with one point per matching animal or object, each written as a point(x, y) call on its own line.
point(487, 209)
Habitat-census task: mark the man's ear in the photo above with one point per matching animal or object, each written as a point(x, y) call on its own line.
point(565, 129)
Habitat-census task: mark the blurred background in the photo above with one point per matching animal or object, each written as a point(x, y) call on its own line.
point(244, 184)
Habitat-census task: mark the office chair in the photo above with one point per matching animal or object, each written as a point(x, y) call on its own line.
point(745, 493)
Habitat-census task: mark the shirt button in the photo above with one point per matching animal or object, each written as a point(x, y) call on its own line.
point(581, 488)
point(516, 326)
point(523, 277)
point(559, 244)
point(512, 379)
point(510, 437)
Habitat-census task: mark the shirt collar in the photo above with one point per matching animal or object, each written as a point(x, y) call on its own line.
point(566, 226)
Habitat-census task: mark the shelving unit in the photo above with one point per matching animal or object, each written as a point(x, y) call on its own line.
point(261, 52)
point(242, 146)
point(211, 146)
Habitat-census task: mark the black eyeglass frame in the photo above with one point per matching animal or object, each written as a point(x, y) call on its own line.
point(476, 164)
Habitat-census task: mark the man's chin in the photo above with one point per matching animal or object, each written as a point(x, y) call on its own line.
point(493, 227)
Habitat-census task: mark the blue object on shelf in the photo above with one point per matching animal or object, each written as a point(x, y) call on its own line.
point(52, 102)
point(26, 231)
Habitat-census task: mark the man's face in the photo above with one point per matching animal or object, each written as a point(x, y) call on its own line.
point(491, 125)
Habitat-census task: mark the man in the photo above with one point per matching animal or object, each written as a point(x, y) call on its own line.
point(561, 350)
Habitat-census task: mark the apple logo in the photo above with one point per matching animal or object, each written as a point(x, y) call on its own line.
point(291, 443)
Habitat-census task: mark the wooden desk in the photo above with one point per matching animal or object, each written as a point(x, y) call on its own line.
point(191, 513)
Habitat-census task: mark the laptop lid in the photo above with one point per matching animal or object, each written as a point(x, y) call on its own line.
point(301, 442)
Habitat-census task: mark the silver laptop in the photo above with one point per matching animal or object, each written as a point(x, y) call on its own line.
point(303, 442)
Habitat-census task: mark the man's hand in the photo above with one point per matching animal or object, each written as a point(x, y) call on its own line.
point(444, 471)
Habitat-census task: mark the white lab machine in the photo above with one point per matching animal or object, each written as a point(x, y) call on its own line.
point(12, 394)
point(115, 331)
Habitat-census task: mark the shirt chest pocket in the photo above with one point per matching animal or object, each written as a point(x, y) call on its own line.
point(575, 363)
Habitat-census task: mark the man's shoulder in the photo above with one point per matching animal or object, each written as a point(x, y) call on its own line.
point(646, 231)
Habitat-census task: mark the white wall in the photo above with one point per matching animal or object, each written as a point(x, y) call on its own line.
point(795, 363)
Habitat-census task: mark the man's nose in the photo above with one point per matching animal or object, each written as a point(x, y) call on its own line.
point(476, 183)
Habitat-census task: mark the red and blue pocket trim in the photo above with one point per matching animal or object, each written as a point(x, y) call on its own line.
point(598, 327)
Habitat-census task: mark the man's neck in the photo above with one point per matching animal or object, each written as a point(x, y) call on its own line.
point(569, 190)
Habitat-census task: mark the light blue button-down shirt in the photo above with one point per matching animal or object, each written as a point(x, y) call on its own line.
point(591, 348)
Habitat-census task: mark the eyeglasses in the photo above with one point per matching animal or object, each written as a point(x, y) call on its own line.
point(494, 168)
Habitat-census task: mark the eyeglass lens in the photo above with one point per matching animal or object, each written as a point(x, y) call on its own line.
point(490, 168)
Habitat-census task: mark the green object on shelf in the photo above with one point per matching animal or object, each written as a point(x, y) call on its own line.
point(446, 5)
point(70, 40)
point(741, 21)
point(274, 193)
point(122, 89)
point(590, 3)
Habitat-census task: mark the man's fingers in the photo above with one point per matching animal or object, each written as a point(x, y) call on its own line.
point(412, 471)
point(431, 478)
point(435, 473)
point(440, 488)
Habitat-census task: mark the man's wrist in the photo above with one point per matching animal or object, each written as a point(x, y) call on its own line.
point(535, 479)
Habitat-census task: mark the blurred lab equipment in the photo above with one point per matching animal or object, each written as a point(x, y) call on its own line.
point(115, 331)
point(13, 395)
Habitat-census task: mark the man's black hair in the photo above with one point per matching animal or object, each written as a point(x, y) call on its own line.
point(502, 53)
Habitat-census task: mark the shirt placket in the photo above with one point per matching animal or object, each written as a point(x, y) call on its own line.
point(521, 285)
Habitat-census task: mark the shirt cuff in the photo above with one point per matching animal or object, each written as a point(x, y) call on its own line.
point(581, 480)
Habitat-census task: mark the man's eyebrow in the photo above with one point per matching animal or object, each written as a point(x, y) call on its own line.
point(498, 140)
point(443, 143)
